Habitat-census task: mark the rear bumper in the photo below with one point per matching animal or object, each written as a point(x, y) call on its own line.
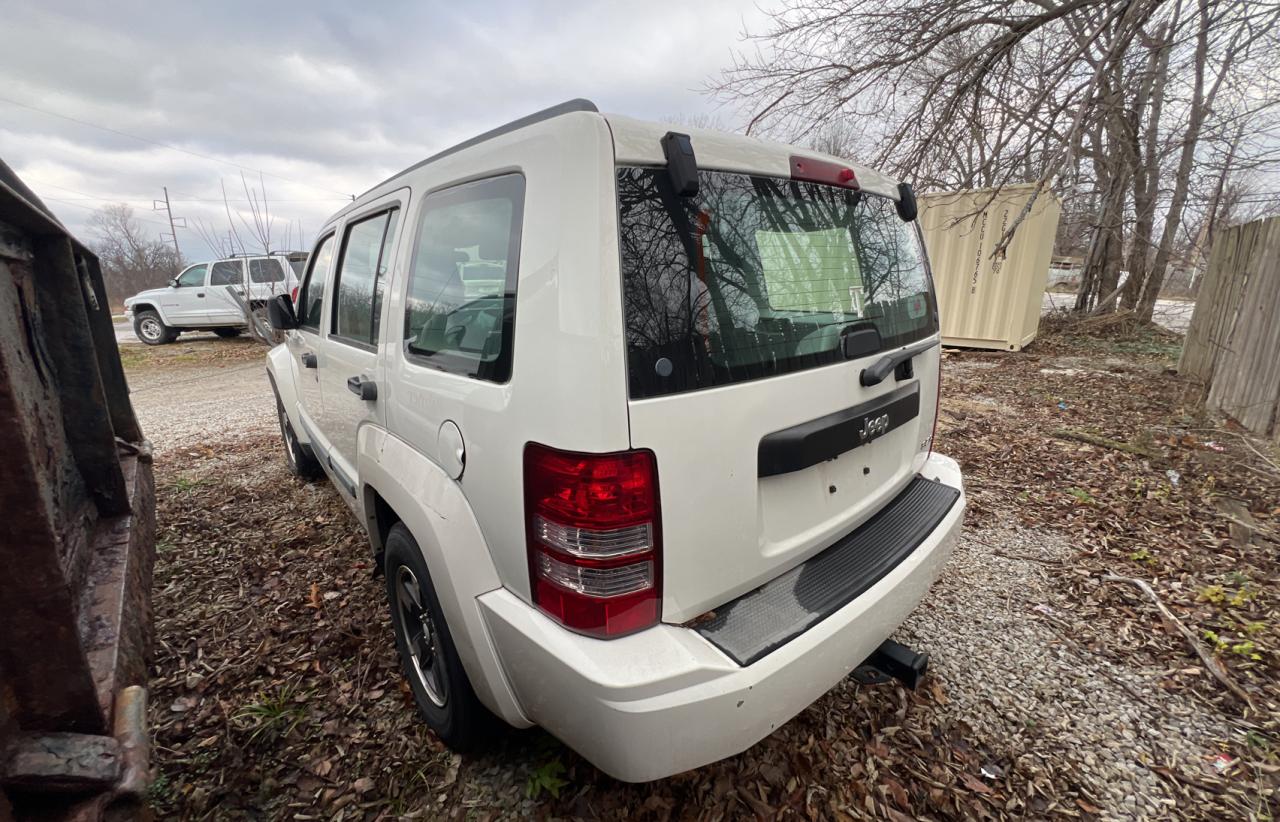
point(666, 700)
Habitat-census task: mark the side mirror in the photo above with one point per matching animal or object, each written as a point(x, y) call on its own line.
point(280, 313)
point(906, 202)
point(173, 282)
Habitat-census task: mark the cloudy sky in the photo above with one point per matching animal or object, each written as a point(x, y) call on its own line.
point(325, 98)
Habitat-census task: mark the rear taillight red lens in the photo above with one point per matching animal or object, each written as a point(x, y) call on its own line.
point(594, 538)
point(293, 295)
point(821, 171)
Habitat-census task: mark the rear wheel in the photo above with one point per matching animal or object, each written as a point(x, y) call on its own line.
point(229, 332)
point(151, 329)
point(428, 656)
point(302, 462)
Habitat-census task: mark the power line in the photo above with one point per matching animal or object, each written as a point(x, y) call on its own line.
point(188, 199)
point(182, 199)
point(91, 208)
point(169, 146)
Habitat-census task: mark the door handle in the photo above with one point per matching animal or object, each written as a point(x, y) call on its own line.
point(366, 390)
point(308, 360)
point(199, 293)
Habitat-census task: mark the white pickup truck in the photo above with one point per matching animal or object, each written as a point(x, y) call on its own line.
point(199, 298)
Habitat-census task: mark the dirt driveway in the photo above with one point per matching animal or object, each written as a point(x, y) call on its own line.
point(276, 691)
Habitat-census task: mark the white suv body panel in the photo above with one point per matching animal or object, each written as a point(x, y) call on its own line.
point(664, 699)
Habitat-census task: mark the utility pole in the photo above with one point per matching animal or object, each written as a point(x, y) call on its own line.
point(174, 223)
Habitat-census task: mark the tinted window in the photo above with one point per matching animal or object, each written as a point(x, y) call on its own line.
point(192, 276)
point(460, 313)
point(311, 296)
point(759, 276)
point(359, 282)
point(265, 270)
point(226, 273)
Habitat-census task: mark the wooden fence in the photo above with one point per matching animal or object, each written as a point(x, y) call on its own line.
point(1233, 344)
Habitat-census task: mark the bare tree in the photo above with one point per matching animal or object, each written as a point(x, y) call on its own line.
point(261, 222)
point(1109, 101)
point(131, 261)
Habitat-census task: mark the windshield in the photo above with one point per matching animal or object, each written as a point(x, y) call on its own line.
point(760, 276)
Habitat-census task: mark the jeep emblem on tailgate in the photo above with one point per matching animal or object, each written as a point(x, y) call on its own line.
point(873, 427)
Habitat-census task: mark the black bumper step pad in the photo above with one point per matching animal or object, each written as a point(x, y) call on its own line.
point(780, 610)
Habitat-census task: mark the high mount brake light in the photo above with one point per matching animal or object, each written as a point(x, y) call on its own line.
point(593, 533)
point(822, 171)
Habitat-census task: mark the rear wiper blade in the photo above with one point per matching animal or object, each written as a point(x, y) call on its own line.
point(875, 373)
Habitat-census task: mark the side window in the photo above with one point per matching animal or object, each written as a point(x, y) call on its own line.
point(265, 270)
point(362, 269)
point(311, 296)
point(460, 310)
point(192, 276)
point(226, 272)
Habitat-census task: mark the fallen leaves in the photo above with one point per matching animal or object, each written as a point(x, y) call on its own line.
point(266, 584)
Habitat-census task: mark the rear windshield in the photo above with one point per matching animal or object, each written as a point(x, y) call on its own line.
point(759, 276)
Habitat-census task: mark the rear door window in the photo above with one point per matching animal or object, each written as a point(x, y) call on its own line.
point(226, 272)
point(460, 311)
point(361, 276)
point(760, 276)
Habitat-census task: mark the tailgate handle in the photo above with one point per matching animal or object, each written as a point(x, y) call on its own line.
point(815, 441)
point(875, 373)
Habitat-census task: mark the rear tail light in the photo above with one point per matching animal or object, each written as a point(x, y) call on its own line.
point(822, 171)
point(293, 295)
point(594, 538)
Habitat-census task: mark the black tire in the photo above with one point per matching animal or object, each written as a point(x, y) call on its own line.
point(441, 688)
point(228, 333)
point(302, 463)
point(149, 328)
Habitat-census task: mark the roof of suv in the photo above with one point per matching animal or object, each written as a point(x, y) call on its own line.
point(638, 142)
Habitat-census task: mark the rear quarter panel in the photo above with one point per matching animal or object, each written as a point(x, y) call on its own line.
point(568, 383)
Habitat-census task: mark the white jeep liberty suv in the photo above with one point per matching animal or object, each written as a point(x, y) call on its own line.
point(640, 424)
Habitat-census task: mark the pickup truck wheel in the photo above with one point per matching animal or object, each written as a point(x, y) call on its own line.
point(302, 462)
point(428, 656)
point(228, 333)
point(151, 329)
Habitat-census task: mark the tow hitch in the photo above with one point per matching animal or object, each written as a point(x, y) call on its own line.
point(893, 660)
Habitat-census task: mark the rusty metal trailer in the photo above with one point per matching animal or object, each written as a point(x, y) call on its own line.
point(77, 533)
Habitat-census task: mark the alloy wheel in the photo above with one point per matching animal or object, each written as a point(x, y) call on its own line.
point(150, 328)
point(420, 636)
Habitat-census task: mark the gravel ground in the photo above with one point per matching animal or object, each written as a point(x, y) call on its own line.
point(203, 401)
point(1017, 669)
point(1015, 673)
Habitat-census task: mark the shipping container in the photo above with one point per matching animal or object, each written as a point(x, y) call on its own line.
point(986, 300)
